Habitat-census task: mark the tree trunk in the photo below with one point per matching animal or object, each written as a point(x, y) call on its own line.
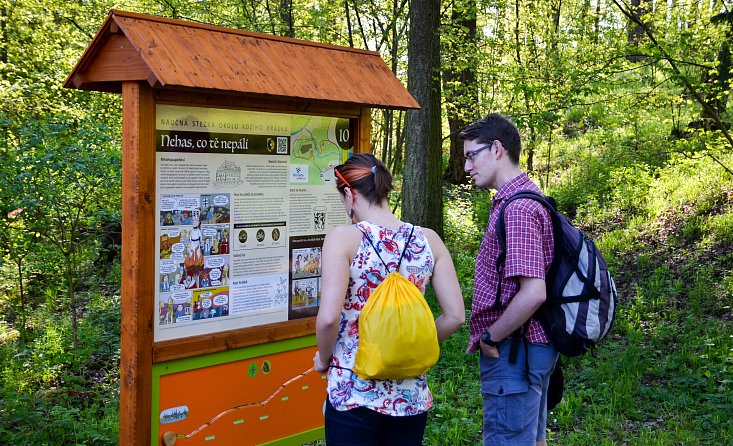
point(459, 82)
point(361, 26)
point(71, 298)
point(635, 31)
point(348, 23)
point(4, 17)
point(529, 143)
point(387, 145)
point(422, 201)
point(388, 149)
point(286, 18)
point(396, 161)
point(21, 297)
point(720, 80)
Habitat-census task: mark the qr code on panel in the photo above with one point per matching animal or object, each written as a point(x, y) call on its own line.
point(282, 145)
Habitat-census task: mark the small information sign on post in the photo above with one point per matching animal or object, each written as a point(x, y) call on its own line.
point(229, 143)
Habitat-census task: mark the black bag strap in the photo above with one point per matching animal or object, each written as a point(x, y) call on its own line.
point(557, 231)
point(402, 255)
point(501, 230)
point(521, 334)
point(547, 202)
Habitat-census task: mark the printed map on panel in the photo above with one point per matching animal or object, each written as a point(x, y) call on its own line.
point(318, 144)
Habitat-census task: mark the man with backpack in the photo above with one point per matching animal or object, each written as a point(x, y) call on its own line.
point(516, 356)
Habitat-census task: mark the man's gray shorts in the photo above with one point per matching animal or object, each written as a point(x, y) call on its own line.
point(515, 411)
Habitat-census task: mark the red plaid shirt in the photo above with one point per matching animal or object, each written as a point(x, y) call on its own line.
point(529, 245)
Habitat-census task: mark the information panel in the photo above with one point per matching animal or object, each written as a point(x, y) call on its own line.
point(244, 201)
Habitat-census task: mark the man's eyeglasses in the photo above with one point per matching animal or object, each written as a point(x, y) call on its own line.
point(470, 156)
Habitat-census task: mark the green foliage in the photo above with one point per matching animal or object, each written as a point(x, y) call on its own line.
point(50, 394)
point(456, 396)
point(65, 176)
point(55, 418)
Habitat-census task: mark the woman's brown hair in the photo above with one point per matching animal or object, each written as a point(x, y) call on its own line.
point(366, 174)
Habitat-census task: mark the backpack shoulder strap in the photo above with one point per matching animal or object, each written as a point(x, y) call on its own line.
point(501, 229)
point(407, 242)
point(369, 239)
point(547, 202)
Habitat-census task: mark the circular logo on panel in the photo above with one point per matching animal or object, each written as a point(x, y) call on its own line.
point(252, 369)
point(266, 367)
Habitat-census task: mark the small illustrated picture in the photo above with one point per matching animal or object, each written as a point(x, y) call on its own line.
point(174, 414)
point(305, 293)
point(177, 210)
point(228, 174)
point(211, 303)
point(172, 275)
point(171, 246)
point(216, 240)
point(193, 262)
point(327, 174)
point(281, 293)
point(306, 262)
point(304, 284)
point(214, 208)
point(216, 272)
point(275, 234)
point(174, 307)
point(242, 236)
point(260, 235)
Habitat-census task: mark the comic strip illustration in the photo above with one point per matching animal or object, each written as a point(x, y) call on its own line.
point(306, 262)
point(211, 303)
point(306, 293)
point(305, 275)
point(193, 255)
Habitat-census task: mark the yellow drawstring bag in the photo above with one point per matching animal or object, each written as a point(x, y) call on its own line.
point(397, 334)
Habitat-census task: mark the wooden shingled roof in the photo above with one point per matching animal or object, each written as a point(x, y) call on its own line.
point(176, 54)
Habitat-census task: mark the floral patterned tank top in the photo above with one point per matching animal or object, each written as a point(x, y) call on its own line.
point(345, 389)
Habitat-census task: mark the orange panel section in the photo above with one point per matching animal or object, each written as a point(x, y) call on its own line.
point(246, 402)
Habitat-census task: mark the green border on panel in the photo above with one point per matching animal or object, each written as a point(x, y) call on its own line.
point(211, 359)
point(299, 439)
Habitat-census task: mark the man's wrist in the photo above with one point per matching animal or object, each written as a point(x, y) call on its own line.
point(486, 339)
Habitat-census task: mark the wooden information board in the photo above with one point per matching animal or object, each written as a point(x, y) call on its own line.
point(229, 143)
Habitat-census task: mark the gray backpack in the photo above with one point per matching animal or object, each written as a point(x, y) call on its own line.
point(581, 294)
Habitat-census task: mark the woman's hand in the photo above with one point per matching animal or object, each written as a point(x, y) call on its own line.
point(318, 364)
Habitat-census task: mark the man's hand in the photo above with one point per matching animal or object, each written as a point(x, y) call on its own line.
point(488, 351)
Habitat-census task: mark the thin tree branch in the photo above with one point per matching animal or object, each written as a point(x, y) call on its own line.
point(79, 27)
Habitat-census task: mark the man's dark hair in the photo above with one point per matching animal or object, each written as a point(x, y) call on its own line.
point(492, 127)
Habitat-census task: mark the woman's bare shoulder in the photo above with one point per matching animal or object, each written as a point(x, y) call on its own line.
point(343, 235)
point(342, 240)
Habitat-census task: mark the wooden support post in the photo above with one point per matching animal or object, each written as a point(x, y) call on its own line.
point(363, 141)
point(138, 262)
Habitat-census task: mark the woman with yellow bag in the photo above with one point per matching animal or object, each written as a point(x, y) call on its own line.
point(376, 335)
